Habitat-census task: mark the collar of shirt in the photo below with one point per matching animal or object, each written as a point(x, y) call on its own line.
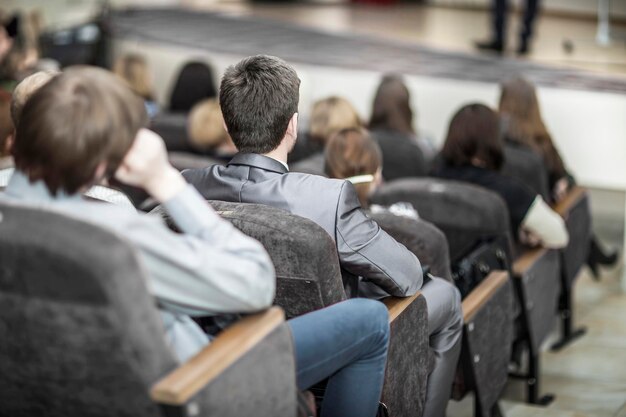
point(22, 188)
point(281, 162)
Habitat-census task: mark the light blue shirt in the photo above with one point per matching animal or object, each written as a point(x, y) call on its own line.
point(210, 269)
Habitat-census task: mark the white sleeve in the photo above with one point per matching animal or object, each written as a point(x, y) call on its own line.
point(546, 224)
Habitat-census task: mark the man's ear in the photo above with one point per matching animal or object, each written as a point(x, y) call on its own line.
point(225, 127)
point(100, 173)
point(292, 128)
point(8, 144)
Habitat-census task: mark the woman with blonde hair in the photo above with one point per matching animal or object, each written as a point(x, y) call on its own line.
point(328, 116)
point(133, 69)
point(205, 129)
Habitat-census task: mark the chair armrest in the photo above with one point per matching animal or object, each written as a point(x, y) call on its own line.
point(483, 293)
point(396, 305)
point(571, 199)
point(184, 382)
point(527, 260)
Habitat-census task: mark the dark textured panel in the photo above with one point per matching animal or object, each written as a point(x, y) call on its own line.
point(464, 212)
point(489, 335)
point(302, 252)
point(408, 362)
point(574, 256)
point(427, 242)
point(541, 287)
point(270, 390)
point(93, 350)
point(244, 36)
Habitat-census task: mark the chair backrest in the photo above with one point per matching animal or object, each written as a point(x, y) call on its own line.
point(186, 160)
point(464, 213)
point(308, 275)
point(172, 127)
point(304, 255)
point(422, 238)
point(524, 165)
point(79, 333)
point(314, 165)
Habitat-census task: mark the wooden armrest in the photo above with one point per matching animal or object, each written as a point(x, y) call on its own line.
point(396, 305)
point(571, 199)
point(526, 260)
point(184, 382)
point(483, 292)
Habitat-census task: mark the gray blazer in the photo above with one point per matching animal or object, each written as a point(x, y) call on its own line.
point(385, 266)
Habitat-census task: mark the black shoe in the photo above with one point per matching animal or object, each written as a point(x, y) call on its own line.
point(492, 46)
point(597, 257)
point(523, 49)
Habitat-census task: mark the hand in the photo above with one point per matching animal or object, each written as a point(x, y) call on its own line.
point(560, 189)
point(146, 166)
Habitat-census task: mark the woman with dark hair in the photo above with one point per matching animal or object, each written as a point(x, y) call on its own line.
point(194, 83)
point(391, 124)
point(473, 152)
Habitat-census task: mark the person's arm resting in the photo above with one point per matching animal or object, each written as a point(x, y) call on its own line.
point(368, 251)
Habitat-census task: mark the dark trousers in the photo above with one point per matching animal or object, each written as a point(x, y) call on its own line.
point(500, 12)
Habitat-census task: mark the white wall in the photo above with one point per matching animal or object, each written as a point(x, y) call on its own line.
point(589, 128)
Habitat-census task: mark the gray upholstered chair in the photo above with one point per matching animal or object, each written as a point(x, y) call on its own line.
point(487, 310)
point(523, 164)
point(172, 127)
point(309, 278)
point(187, 160)
point(80, 335)
point(468, 214)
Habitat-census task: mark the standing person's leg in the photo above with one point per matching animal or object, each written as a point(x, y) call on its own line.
point(527, 29)
point(499, 13)
point(445, 325)
point(347, 342)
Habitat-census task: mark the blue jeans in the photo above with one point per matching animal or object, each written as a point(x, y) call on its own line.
point(347, 342)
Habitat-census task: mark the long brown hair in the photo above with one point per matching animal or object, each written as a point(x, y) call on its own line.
point(392, 108)
point(474, 134)
point(520, 107)
point(351, 152)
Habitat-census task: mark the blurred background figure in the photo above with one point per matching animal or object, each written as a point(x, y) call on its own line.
point(499, 12)
point(193, 84)
point(134, 69)
point(206, 131)
point(405, 152)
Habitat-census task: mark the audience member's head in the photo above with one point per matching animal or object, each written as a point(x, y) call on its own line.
point(76, 129)
point(205, 127)
point(521, 114)
point(259, 101)
point(474, 138)
point(329, 116)
point(133, 69)
point(194, 83)
point(26, 89)
point(392, 108)
point(351, 154)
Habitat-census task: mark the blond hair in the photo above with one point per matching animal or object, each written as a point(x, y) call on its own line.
point(205, 125)
point(133, 69)
point(26, 89)
point(330, 115)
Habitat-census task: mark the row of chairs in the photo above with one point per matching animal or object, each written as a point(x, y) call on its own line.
point(542, 279)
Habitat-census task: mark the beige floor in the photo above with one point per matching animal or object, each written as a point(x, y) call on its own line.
point(447, 28)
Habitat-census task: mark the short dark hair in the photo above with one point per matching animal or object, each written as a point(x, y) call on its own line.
point(258, 97)
point(474, 132)
point(79, 119)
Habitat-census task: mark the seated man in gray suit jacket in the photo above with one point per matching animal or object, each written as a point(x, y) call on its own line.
point(259, 101)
